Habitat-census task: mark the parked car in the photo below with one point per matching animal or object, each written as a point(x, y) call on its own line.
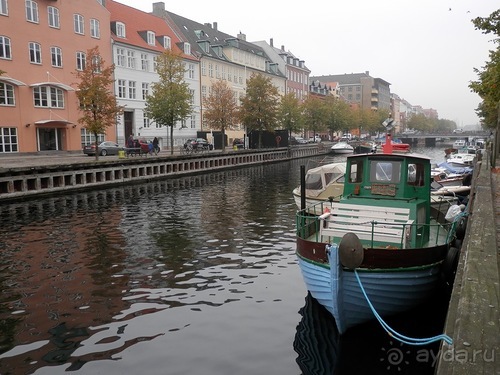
point(104, 148)
point(458, 131)
point(239, 143)
point(315, 139)
point(300, 140)
point(196, 143)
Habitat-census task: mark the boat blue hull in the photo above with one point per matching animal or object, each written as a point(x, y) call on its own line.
point(390, 292)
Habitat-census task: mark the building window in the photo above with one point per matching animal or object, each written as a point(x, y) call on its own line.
point(120, 30)
point(187, 48)
point(120, 56)
point(191, 99)
point(122, 88)
point(95, 32)
point(151, 38)
point(167, 43)
point(96, 64)
point(48, 97)
point(145, 90)
point(131, 90)
point(35, 53)
point(56, 56)
point(31, 11)
point(146, 122)
point(130, 59)
point(190, 71)
point(145, 62)
point(210, 70)
point(5, 48)
point(6, 94)
point(53, 14)
point(203, 68)
point(193, 121)
point(78, 24)
point(4, 10)
point(8, 140)
point(80, 60)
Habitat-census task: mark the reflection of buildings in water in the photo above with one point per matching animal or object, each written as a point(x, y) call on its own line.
point(317, 341)
point(60, 278)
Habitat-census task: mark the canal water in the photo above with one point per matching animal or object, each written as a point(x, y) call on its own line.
point(194, 275)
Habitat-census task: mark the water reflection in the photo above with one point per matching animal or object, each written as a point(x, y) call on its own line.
point(86, 276)
point(317, 341)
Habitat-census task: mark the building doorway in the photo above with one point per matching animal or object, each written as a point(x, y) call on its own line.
point(49, 139)
point(128, 121)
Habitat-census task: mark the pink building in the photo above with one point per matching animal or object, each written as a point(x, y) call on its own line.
point(42, 44)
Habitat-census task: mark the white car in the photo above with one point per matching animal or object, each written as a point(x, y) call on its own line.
point(315, 139)
point(300, 140)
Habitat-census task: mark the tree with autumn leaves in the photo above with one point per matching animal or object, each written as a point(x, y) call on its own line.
point(97, 101)
point(221, 109)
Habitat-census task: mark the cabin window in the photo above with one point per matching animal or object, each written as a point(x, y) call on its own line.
point(416, 175)
point(385, 171)
point(356, 174)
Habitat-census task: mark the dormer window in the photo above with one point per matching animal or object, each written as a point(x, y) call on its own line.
point(120, 30)
point(151, 38)
point(187, 48)
point(167, 42)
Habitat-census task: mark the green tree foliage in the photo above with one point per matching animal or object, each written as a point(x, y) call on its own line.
point(314, 112)
point(289, 114)
point(97, 101)
point(221, 109)
point(488, 84)
point(259, 107)
point(338, 115)
point(170, 99)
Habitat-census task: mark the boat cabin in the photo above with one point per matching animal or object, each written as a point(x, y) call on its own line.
point(390, 184)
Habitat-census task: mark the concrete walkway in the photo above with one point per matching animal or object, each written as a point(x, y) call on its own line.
point(473, 319)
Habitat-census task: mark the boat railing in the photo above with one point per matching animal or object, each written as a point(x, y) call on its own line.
point(372, 233)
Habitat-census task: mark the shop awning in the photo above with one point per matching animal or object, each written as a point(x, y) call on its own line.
point(45, 122)
point(12, 81)
point(54, 84)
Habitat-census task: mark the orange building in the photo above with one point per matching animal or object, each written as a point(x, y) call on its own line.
point(42, 44)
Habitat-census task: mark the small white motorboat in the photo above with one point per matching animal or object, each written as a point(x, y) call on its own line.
point(461, 160)
point(342, 148)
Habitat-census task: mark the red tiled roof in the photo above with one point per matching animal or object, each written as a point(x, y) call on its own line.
point(137, 21)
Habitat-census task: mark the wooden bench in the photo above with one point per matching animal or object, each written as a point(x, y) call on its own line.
point(376, 226)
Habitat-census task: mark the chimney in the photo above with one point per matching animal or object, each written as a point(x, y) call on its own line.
point(283, 48)
point(215, 25)
point(159, 8)
point(242, 36)
point(271, 42)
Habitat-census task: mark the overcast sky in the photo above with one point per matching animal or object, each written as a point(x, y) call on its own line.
point(426, 49)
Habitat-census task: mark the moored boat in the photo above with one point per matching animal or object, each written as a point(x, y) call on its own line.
point(322, 183)
point(382, 248)
point(461, 159)
point(342, 148)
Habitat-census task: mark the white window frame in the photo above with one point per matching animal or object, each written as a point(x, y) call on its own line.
point(145, 62)
point(56, 56)
point(122, 88)
point(145, 90)
point(95, 31)
point(151, 38)
point(81, 59)
point(187, 48)
point(4, 7)
point(190, 69)
point(78, 24)
point(121, 30)
point(132, 90)
point(8, 140)
point(167, 42)
point(35, 52)
point(48, 97)
point(7, 97)
point(31, 11)
point(130, 59)
point(53, 17)
point(5, 48)
point(120, 56)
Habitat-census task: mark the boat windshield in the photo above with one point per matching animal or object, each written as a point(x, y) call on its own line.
point(385, 171)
